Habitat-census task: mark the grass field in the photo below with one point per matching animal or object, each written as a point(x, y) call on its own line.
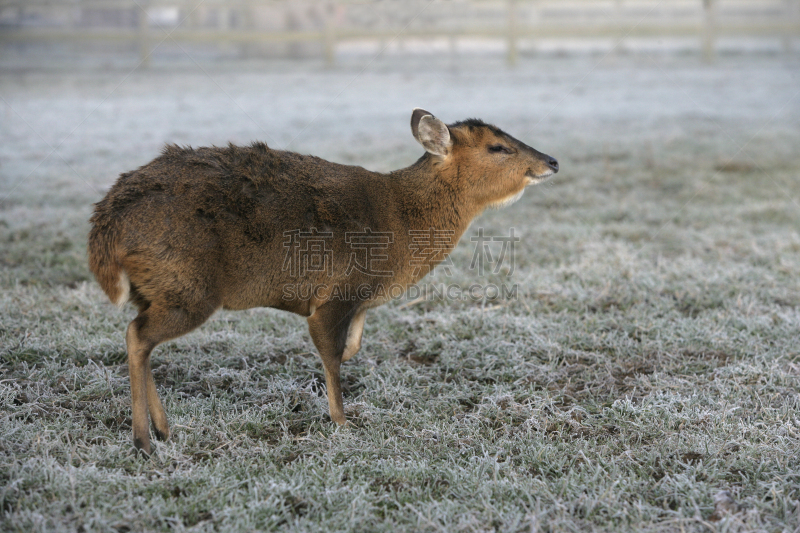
point(650, 361)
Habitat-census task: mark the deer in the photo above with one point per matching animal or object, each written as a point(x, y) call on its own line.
point(202, 229)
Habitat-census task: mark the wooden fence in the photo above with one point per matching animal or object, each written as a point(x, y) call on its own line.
point(329, 24)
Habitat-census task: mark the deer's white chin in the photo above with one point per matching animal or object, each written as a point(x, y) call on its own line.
point(533, 179)
point(508, 200)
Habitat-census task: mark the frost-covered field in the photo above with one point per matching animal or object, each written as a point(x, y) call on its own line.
point(650, 361)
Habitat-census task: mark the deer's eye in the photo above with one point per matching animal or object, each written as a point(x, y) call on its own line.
point(499, 149)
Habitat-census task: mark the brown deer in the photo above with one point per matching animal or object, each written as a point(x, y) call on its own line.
point(196, 230)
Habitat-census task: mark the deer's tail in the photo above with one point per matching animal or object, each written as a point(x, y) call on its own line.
point(105, 257)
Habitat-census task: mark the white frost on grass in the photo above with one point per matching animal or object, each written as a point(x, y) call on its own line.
point(649, 363)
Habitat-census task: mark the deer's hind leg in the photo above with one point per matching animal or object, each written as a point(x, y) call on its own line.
point(155, 324)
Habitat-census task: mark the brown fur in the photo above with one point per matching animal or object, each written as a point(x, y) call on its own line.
point(196, 230)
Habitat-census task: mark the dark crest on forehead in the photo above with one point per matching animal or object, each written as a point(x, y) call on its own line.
point(474, 123)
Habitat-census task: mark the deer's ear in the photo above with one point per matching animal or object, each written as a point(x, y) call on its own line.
point(430, 132)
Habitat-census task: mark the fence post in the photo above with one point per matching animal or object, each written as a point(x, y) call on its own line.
point(194, 18)
point(329, 34)
point(791, 12)
point(142, 34)
point(619, 47)
point(535, 20)
point(512, 32)
point(709, 9)
point(247, 16)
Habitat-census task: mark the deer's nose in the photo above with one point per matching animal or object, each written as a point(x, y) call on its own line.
point(552, 163)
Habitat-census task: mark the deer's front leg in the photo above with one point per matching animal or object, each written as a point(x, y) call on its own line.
point(329, 327)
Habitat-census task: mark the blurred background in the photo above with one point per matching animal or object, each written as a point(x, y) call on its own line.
point(646, 103)
point(161, 31)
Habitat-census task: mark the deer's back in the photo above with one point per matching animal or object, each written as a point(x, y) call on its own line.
point(219, 218)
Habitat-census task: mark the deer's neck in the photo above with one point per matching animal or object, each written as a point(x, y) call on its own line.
point(426, 199)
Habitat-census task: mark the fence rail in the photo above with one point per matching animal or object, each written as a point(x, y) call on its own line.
point(329, 24)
